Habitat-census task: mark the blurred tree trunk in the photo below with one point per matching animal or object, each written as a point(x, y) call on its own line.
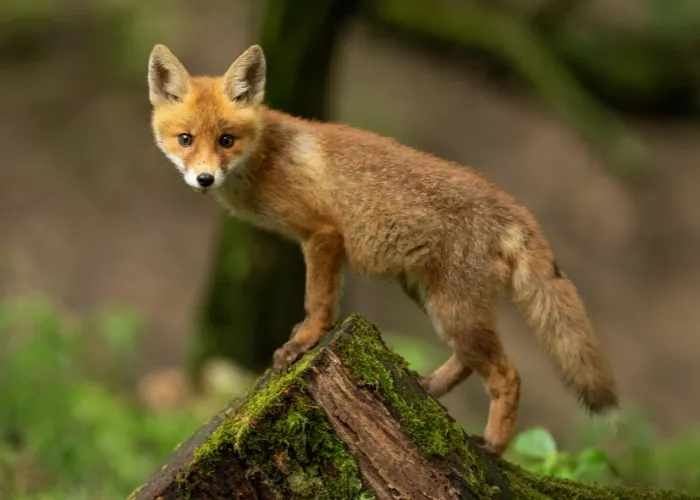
point(257, 290)
point(513, 39)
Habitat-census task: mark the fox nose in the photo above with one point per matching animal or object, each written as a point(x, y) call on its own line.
point(205, 180)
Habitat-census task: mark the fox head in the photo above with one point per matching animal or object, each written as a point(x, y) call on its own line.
point(206, 126)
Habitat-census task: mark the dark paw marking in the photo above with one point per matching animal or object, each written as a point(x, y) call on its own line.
point(488, 448)
point(556, 270)
point(425, 382)
point(286, 355)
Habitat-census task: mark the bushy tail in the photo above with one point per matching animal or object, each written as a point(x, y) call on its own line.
point(552, 306)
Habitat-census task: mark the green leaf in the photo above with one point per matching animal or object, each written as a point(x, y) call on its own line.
point(551, 463)
point(563, 471)
point(594, 465)
point(593, 457)
point(536, 442)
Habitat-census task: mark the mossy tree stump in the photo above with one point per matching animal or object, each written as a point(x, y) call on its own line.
point(349, 421)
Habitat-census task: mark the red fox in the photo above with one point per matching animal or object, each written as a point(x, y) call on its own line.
point(453, 241)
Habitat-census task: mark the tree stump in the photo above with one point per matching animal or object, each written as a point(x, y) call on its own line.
point(349, 421)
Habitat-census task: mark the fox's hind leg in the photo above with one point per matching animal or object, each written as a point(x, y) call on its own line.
point(470, 331)
point(448, 376)
point(453, 372)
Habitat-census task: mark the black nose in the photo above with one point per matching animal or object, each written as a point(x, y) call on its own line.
point(205, 180)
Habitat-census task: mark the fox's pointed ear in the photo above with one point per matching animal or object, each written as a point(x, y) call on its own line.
point(244, 82)
point(168, 80)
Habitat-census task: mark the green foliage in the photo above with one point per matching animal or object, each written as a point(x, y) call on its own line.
point(642, 456)
point(673, 21)
point(121, 33)
point(67, 431)
point(636, 457)
point(537, 448)
point(64, 433)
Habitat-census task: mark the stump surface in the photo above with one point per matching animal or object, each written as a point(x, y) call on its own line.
point(349, 421)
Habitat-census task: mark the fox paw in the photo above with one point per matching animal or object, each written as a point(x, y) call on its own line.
point(286, 355)
point(429, 385)
point(489, 449)
point(424, 381)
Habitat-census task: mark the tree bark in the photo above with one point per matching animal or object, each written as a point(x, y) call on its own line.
point(257, 291)
point(349, 420)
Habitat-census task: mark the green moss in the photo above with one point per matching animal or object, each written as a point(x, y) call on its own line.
point(528, 486)
point(282, 435)
point(134, 493)
point(423, 418)
point(308, 458)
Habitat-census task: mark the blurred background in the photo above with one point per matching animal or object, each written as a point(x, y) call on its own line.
point(133, 309)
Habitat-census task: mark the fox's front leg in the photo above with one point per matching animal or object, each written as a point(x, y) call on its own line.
point(323, 256)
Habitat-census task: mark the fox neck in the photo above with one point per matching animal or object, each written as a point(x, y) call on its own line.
point(277, 132)
point(276, 169)
point(246, 179)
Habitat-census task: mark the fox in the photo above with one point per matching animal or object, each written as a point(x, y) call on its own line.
point(453, 241)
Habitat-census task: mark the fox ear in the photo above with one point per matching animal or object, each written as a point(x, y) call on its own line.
point(244, 82)
point(168, 80)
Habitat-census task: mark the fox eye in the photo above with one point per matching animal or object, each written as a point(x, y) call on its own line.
point(185, 140)
point(226, 141)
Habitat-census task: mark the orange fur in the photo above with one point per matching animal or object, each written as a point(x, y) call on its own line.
point(454, 241)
